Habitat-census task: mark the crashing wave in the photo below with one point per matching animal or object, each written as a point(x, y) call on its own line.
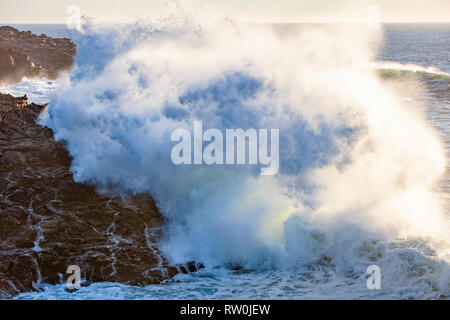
point(357, 167)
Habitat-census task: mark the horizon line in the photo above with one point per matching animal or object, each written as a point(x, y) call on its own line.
point(252, 22)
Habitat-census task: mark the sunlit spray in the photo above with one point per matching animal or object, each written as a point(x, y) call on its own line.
point(356, 166)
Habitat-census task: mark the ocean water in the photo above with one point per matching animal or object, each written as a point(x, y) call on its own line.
point(308, 243)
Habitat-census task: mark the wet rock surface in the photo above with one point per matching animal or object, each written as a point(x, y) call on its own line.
point(48, 221)
point(24, 54)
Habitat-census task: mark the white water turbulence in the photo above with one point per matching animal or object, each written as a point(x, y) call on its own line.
point(37, 90)
point(358, 166)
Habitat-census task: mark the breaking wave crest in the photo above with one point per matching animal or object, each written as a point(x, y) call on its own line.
point(358, 167)
point(390, 68)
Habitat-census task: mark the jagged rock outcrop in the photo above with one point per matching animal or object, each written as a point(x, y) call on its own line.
point(48, 221)
point(24, 54)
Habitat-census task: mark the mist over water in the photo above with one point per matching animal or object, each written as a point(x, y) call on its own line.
point(359, 166)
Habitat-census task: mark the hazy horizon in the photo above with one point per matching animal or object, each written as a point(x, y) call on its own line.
point(268, 22)
point(261, 11)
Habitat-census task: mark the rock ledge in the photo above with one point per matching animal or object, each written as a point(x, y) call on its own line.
point(24, 54)
point(48, 221)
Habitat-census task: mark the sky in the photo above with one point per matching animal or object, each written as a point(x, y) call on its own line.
point(55, 11)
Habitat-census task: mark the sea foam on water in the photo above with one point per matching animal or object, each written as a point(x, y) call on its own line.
point(358, 168)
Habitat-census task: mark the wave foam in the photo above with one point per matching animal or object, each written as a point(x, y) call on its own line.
point(356, 164)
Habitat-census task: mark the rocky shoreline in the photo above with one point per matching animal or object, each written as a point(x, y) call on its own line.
point(47, 220)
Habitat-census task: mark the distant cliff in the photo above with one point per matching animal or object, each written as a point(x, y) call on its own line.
point(24, 54)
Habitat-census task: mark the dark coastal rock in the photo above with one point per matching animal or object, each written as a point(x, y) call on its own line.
point(24, 54)
point(186, 268)
point(48, 221)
